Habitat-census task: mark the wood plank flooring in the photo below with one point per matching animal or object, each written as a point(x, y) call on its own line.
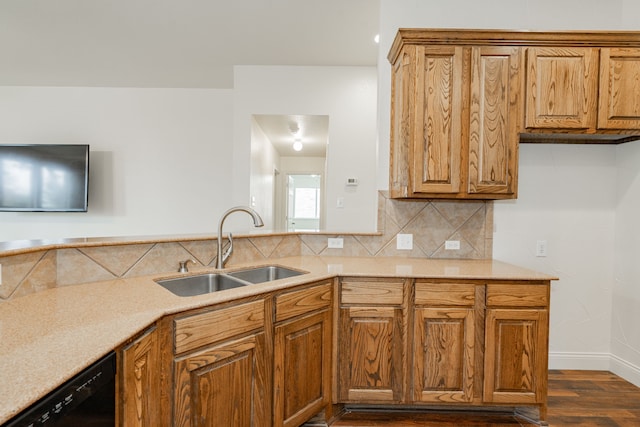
point(576, 398)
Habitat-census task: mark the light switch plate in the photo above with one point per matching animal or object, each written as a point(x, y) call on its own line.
point(541, 248)
point(335, 242)
point(452, 245)
point(404, 242)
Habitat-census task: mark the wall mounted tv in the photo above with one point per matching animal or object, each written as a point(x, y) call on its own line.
point(44, 177)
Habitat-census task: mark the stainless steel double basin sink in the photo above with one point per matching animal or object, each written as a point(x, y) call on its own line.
point(213, 282)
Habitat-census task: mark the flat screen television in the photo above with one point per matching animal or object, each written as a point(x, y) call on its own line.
point(44, 177)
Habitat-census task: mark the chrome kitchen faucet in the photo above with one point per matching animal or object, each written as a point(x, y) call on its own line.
point(257, 222)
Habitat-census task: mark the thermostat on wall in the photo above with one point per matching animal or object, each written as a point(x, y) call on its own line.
point(352, 182)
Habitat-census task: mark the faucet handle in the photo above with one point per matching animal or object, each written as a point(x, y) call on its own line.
point(183, 266)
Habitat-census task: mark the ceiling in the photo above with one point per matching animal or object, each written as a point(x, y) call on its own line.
point(177, 43)
point(282, 130)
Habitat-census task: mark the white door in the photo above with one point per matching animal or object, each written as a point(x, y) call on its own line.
point(303, 202)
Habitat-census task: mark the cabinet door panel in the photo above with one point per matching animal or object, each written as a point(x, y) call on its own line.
point(619, 89)
point(561, 86)
point(444, 355)
point(302, 368)
point(436, 148)
point(516, 356)
point(494, 119)
point(223, 385)
point(370, 354)
point(141, 383)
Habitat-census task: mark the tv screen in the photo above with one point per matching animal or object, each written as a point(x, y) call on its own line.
point(44, 177)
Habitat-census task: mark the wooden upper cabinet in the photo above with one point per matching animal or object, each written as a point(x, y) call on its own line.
point(494, 119)
point(619, 102)
point(426, 121)
point(561, 88)
point(454, 122)
point(436, 148)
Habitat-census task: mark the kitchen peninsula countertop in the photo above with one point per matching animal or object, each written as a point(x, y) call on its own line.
point(48, 337)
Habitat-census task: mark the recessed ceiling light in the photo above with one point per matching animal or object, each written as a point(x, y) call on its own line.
point(297, 145)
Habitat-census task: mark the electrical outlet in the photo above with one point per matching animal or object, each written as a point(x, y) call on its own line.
point(335, 242)
point(541, 248)
point(404, 242)
point(452, 245)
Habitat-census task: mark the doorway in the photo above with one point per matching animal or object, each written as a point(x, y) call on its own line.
point(303, 202)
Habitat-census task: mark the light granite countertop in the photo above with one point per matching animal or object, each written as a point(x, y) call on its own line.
point(48, 337)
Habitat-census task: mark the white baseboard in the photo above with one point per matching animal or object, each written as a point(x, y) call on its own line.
point(625, 370)
point(584, 361)
point(595, 362)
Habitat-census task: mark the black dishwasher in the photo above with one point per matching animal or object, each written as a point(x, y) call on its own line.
point(86, 400)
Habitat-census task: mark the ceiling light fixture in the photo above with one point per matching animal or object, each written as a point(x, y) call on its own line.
point(297, 145)
point(377, 38)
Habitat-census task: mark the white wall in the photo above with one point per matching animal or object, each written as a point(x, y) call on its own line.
point(348, 96)
point(567, 193)
point(566, 197)
point(625, 334)
point(160, 159)
point(264, 161)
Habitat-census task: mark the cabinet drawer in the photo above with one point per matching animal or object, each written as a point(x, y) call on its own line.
point(371, 292)
point(291, 304)
point(206, 328)
point(517, 295)
point(445, 294)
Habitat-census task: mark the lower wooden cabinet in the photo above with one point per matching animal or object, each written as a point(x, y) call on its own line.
point(269, 360)
point(302, 354)
point(223, 385)
point(140, 382)
point(516, 344)
point(444, 342)
point(424, 342)
point(302, 368)
point(370, 355)
point(371, 341)
point(221, 367)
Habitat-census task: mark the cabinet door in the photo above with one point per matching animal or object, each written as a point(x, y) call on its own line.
point(370, 354)
point(302, 368)
point(435, 167)
point(140, 391)
point(223, 386)
point(561, 88)
point(619, 89)
point(494, 111)
point(444, 355)
point(515, 369)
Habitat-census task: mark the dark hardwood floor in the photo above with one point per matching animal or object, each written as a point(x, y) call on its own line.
point(576, 398)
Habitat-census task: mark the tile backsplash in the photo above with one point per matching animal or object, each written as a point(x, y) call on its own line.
point(431, 222)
